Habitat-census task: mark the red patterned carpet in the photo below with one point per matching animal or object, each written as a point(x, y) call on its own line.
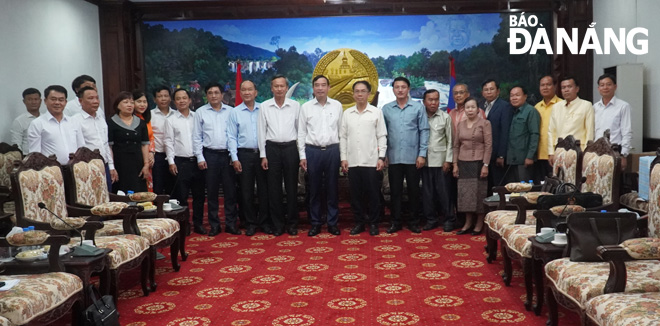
point(435, 278)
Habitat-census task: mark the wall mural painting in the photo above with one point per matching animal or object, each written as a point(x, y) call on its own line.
point(191, 54)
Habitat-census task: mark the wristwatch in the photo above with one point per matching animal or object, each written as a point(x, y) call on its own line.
point(382, 158)
point(486, 164)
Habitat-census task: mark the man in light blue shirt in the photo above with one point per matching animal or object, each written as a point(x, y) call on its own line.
point(243, 146)
point(210, 148)
point(407, 143)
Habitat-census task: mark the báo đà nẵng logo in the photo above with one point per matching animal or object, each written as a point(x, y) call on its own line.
point(522, 41)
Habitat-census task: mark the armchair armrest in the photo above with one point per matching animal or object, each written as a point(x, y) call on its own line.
point(128, 215)
point(522, 204)
point(55, 242)
point(616, 256)
point(158, 201)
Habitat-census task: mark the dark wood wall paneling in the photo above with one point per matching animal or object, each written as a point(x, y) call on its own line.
point(121, 49)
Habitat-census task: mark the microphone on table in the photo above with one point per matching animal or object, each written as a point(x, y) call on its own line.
point(82, 250)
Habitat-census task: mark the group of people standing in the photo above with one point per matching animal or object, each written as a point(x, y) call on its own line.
point(457, 156)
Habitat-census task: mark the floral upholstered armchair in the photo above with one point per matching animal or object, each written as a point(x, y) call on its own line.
point(601, 168)
point(86, 185)
point(625, 302)
point(38, 179)
point(567, 160)
point(40, 298)
point(8, 155)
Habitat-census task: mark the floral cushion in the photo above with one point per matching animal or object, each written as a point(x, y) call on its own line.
point(565, 210)
point(4, 321)
point(47, 186)
point(516, 238)
point(28, 238)
point(124, 247)
point(599, 171)
point(643, 248)
point(565, 165)
point(581, 281)
point(142, 196)
point(630, 309)
point(36, 294)
point(518, 187)
point(154, 229)
point(633, 201)
point(6, 166)
point(654, 202)
point(497, 220)
point(75, 222)
point(91, 188)
point(533, 196)
point(109, 208)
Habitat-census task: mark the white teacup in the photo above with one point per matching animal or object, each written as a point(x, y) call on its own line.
point(167, 206)
point(546, 230)
point(174, 202)
point(88, 243)
point(561, 238)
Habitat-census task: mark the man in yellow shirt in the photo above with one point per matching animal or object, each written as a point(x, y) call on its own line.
point(571, 116)
point(548, 89)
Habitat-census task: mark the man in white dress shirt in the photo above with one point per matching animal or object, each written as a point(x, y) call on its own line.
point(318, 146)
point(182, 162)
point(95, 130)
point(163, 181)
point(210, 147)
point(73, 107)
point(614, 114)
point(32, 101)
point(278, 131)
point(363, 144)
point(53, 132)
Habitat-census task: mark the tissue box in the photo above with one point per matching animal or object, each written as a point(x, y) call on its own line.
point(644, 176)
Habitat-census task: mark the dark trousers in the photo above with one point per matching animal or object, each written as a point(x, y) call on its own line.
point(283, 160)
point(323, 173)
point(108, 178)
point(190, 178)
point(219, 170)
point(364, 183)
point(253, 174)
point(542, 169)
point(436, 195)
point(396, 174)
point(498, 176)
point(524, 173)
point(163, 179)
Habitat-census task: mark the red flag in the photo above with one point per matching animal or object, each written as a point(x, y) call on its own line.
point(452, 82)
point(239, 80)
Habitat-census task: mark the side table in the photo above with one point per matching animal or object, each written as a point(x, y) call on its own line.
point(542, 253)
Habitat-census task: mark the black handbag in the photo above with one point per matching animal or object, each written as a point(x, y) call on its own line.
point(588, 230)
point(584, 199)
point(102, 312)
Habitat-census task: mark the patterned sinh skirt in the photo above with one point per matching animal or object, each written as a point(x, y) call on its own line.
point(472, 189)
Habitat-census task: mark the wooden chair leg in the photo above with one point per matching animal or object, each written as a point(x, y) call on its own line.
point(507, 274)
point(182, 240)
point(491, 245)
point(78, 310)
point(538, 273)
point(114, 285)
point(553, 313)
point(174, 252)
point(151, 267)
point(529, 288)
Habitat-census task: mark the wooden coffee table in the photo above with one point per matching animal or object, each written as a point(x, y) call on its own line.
point(542, 253)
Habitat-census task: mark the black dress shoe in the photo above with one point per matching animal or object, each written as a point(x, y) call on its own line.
point(373, 229)
point(200, 229)
point(316, 229)
point(267, 229)
point(430, 226)
point(414, 229)
point(477, 232)
point(334, 230)
point(448, 227)
point(292, 230)
point(251, 230)
point(464, 231)
point(215, 230)
point(357, 229)
point(394, 228)
point(278, 232)
point(232, 230)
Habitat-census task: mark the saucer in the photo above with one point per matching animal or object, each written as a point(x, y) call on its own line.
point(540, 234)
point(558, 244)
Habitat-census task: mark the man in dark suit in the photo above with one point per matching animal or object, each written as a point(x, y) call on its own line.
point(499, 113)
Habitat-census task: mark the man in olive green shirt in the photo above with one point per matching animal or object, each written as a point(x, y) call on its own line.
point(436, 174)
point(523, 135)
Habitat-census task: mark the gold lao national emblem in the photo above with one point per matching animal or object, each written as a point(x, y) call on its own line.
point(344, 67)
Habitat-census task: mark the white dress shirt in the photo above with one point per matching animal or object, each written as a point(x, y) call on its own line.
point(362, 136)
point(48, 136)
point(95, 133)
point(158, 127)
point(19, 130)
point(614, 116)
point(73, 107)
point(318, 124)
point(210, 129)
point(277, 124)
point(179, 135)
